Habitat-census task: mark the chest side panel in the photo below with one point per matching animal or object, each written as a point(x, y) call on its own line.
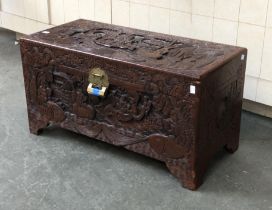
point(221, 106)
point(143, 110)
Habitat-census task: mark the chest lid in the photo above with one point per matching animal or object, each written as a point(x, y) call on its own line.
point(181, 56)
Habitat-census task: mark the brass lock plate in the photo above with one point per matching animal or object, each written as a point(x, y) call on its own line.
point(98, 82)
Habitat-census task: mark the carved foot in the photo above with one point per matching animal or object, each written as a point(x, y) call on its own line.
point(232, 146)
point(36, 126)
point(189, 178)
point(35, 131)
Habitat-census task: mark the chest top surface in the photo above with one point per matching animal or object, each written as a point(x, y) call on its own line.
point(182, 56)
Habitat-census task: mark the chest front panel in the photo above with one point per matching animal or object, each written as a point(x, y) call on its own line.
point(139, 103)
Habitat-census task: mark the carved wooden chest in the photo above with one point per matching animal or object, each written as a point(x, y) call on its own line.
point(174, 99)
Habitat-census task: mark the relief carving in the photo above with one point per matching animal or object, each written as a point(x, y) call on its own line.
point(159, 51)
point(127, 108)
point(144, 48)
point(149, 107)
point(152, 107)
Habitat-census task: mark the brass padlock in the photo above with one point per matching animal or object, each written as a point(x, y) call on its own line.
point(98, 82)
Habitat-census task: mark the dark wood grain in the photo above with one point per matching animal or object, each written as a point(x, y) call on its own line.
point(148, 107)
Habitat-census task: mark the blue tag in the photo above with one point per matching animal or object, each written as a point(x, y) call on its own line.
point(96, 92)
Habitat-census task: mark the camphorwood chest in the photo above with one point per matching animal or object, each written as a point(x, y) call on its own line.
point(173, 99)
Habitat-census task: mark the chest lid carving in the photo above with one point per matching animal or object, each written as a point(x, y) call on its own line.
point(182, 56)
